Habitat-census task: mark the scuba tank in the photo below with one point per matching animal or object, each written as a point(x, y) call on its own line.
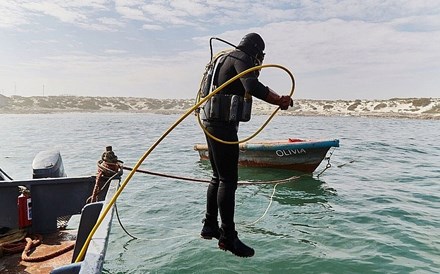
point(206, 85)
point(222, 107)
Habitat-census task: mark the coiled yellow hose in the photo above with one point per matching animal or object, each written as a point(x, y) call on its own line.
point(264, 124)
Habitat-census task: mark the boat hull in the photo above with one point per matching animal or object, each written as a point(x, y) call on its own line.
point(292, 154)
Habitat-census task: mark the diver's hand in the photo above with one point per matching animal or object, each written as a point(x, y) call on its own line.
point(285, 101)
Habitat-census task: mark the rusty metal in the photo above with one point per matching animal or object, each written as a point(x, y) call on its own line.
point(51, 243)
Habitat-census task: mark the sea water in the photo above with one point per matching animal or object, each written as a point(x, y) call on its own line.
point(375, 210)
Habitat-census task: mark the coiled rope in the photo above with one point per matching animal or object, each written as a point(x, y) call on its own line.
point(27, 244)
point(36, 241)
point(105, 170)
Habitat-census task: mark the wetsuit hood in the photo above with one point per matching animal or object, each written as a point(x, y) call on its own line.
point(252, 44)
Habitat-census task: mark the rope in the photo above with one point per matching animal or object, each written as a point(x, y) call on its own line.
point(208, 181)
point(344, 164)
point(104, 171)
point(32, 243)
point(271, 199)
point(10, 242)
point(167, 176)
point(26, 244)
point(268, 206)
point(12, 248)
point(120, 222)
point(276, 182)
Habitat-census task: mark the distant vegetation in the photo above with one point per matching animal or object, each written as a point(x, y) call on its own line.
point(84, 103)
point(395, 107)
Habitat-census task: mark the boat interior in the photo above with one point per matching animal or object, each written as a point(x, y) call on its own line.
point(62, 217)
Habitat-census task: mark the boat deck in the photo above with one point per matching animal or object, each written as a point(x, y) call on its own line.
point(60, 213)
point(49, 244)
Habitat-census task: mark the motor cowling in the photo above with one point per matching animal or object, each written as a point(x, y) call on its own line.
point(48, 164)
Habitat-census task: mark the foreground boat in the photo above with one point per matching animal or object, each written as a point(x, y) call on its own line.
point(48, 231)
point(294, 154)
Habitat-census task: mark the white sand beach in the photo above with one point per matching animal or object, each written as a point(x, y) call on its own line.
point(415, 108)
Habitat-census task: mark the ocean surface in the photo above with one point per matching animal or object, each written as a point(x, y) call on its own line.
point(376, 210)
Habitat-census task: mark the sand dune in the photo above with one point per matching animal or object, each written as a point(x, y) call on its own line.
point(417, 108)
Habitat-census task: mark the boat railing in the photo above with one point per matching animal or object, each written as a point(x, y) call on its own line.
point(51, 198)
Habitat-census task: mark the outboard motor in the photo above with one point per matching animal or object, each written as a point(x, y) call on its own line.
point(48, 164)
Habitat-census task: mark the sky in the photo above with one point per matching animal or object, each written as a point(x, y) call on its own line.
point(336, 50)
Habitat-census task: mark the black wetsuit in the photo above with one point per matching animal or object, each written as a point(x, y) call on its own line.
point(224, 157)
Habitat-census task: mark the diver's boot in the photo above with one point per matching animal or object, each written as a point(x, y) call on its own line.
point(229, 241)
point(210, 229)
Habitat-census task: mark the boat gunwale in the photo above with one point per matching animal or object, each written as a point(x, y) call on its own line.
point(43, 181)
point(280, 145)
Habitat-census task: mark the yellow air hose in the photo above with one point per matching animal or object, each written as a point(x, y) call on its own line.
point(81, 254)
point(263, 125)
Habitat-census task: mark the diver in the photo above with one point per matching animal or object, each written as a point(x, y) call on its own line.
point(223, 112)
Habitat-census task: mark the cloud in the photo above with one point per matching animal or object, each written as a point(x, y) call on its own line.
point(131, 13)
point(152, 27)
point(115, 51)
point(336, 49)
point(353, 59)
point(12, 15)
point(111, 22)
point(55, 10)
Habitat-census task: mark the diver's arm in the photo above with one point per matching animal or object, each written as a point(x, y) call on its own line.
point(283, 101)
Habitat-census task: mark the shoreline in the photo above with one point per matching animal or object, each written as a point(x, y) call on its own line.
point(402, 108)
point(279, 113)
